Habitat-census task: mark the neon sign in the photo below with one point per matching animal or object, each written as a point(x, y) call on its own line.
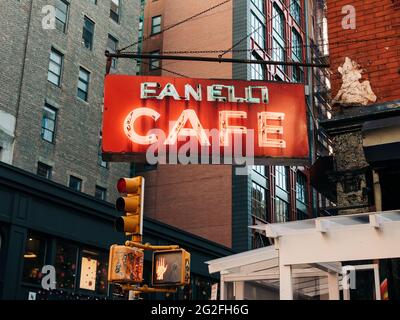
point(137, 109)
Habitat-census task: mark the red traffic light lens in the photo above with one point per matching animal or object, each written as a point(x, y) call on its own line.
point(121, 185)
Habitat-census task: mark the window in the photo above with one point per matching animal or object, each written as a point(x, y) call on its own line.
point(100, 193)
point(259, 4)
point(259, 202)
point(115, 10)
point(155, 63)
point(259, 169)
point(43, 170)
point(295, 10)
point(281, 177)
point(256, 70)
point(66, 265)
point(61, 15)
point(55, 67)
point(94, 268)
point(34, 259)
point(278, 35)
point(302, 215)
point(140, 30)
point(48, 123)
point(112, 45)
point(301, 187)
point(297, 55)
point(156, 25)
point(88, 33)
point(281, 211)
point(259, 240)
point(75, 183)
point(257, 30)
point(83, 84)
point(297, 46)
point(100, 161)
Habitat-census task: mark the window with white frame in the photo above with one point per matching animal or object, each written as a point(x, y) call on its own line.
point(55, 67)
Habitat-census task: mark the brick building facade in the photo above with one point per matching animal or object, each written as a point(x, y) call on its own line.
point(47, 125)
point(212, 201)
point(364, 47)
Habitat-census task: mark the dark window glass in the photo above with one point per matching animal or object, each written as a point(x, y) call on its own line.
point(88, 33)
point(259, 240)
point(43, 170)
point(100, 193)
point(114, 10)
point(65, 264)
point(112, 45)
point(100, 161)
point(34, 259)
point(301, 187)
point(75, 183)
point(83, 84)
point(259, 202)
point(155, 63)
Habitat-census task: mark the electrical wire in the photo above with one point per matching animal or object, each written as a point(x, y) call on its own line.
point(344, 42)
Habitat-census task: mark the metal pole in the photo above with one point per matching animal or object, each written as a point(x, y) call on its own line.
point(210, 59)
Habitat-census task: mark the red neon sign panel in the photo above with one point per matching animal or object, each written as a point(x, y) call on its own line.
point(273, 114)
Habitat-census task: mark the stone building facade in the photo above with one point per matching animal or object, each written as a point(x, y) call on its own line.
point(46, 125)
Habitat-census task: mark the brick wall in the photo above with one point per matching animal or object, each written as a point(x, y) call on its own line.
point(197, 199)
point(379, 58)
point(24, 87)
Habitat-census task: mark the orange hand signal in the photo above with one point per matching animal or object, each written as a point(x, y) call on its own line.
point(161, 268)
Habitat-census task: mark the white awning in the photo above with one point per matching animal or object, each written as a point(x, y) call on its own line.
point(306, 256)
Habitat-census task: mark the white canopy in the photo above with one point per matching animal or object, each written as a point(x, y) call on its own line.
point(307, 255)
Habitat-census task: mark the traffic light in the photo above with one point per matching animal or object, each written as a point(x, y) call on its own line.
point(171, 268)
point(125, 265)
point(132, 205)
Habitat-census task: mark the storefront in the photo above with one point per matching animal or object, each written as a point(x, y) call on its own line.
point(43, 223)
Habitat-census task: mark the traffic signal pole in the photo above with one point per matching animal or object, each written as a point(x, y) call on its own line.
point(150, 247)
point(127, 261)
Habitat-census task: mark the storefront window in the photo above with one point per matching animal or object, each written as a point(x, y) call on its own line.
point(66, 256)
point(94, 267)
point(34, 259)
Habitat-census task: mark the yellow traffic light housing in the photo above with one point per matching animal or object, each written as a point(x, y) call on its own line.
point(131, 205)
point(171, 268)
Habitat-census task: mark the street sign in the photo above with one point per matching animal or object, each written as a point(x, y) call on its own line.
point(161, 115)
